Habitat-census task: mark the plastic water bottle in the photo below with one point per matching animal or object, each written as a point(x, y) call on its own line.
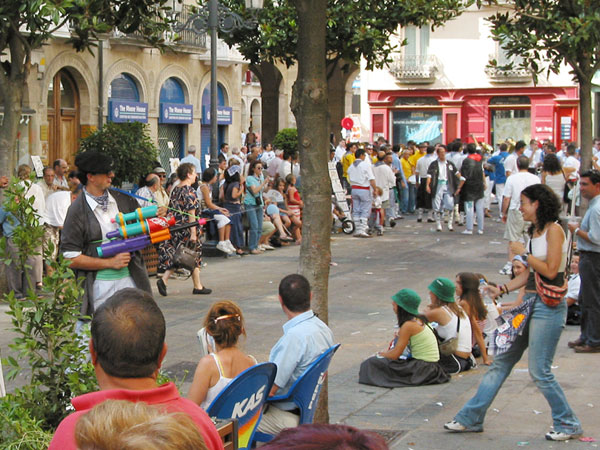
point(492, 311)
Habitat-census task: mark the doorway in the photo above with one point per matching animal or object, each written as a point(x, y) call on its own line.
point(63, 118)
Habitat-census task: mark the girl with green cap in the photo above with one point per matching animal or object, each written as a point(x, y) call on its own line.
point(453, 323)
point(415, 342)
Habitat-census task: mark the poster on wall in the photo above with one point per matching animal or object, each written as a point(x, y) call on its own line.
point(418, 126)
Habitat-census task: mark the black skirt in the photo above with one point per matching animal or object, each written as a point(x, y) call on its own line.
point(383, 372)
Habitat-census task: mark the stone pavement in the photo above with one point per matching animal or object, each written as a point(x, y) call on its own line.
point(366, 274)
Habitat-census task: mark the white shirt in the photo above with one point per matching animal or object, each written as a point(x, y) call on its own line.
point(267, 157)
point(61, 182)
point(423, 165)
point(39, 200)
point(536, 158)
point(443, 170)
point(287, 167)
point(571, 161)
point(193, 160)
point(339, 153)
point(456, 158)
point(45, 189)
point(360, 174)
point(574, 284)
point(510, 164)
point(515, 185)
point(385, 179)
point(57, 206)
point(273, 167)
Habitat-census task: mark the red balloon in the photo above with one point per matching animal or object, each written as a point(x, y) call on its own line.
point(347, 123)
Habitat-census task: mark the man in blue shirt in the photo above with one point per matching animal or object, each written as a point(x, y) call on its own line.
point(588, 245)
point(191, 158)
point(499, 174)
point(304, 338)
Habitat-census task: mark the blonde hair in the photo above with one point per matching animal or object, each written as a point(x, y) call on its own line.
point(124, 425)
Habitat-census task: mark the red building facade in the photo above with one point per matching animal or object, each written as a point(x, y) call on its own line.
point(489, 115)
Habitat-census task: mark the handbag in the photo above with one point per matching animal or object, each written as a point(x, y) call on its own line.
point(550, 294)
point(185, 257)
point(450, 345)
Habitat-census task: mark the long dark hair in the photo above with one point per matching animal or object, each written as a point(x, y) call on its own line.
point(470, 293)
point(548, 209)
point(551, 164)
point(404, 316)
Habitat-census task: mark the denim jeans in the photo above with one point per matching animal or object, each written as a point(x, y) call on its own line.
point(412, 197)
point(255, 219)
point(404, 199)
point(237, 230)
point(541, 335)
point(475, 207)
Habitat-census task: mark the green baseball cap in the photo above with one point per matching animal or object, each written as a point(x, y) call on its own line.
point(443, 288)
point(408, 300)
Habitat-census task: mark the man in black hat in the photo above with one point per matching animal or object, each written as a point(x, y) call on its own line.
point(86, 225)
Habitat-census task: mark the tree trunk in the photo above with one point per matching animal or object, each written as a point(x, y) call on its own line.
point(270, 79)
point(585, 120)
point(309, 105)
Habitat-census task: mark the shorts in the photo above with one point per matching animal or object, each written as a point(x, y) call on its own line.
point(267, 228)
point(516, 227)
point(272, 210)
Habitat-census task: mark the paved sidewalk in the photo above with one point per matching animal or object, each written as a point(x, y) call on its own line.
point(366, 274)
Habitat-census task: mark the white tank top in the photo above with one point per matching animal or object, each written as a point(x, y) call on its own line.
point(448, 331)
point(219, 385)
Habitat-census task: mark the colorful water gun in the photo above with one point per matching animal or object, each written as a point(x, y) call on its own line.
point(145, 229)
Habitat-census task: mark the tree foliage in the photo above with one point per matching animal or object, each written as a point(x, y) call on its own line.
point(286, 140)
point(25, 25)
point(547, 34)
point(46, 347)
point(129, 145)
point(355, 29)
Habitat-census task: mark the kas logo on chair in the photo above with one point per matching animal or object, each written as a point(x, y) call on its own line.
point(248, 404)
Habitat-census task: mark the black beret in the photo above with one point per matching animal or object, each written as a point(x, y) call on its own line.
point(94, 162)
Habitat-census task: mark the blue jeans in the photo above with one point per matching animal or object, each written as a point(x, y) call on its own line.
point(541, 335)
point(412, 197)
point(404, 196)
point(255, 218)
point(237, 230)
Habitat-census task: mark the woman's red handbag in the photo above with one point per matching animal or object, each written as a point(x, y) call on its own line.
point(551, 295)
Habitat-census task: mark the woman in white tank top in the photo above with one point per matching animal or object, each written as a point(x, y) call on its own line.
point(447, 314)
point(541, 333)
point(225, 324)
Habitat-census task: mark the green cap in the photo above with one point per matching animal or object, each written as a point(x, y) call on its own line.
point(443, 288)
point(408, 300)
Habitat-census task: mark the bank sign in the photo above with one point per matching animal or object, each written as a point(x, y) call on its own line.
point(224, 115)
point(176, 113)
point(120, 112)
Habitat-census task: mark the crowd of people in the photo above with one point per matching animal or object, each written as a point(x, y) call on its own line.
point(453, 185)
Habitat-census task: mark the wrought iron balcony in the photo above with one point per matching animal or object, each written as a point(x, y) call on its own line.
point(415, 69)
point(504, 75)
point(186, 38)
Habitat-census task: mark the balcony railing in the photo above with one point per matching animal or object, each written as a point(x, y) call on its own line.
point(415, 69)
point(502, 75)
point(187, 38)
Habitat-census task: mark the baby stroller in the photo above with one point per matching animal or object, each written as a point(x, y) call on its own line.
point(339, 204)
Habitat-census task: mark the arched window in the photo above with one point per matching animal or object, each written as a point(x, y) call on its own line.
point(123, 87)
point(172, 91)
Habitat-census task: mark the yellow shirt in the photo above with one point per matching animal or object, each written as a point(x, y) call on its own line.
point(347, 161)
point(414, 158)
point(407, 168)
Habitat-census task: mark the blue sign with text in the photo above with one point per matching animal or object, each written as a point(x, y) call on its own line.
point(176, 113)
point(119, 111)
point(224, 115)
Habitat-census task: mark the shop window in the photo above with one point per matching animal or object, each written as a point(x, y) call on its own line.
point(418, 126)
point(377, 123)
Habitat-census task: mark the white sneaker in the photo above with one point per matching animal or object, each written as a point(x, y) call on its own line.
point(267, 247)
point(222, 245)
point(439, 226)
point(460, 428)
point(469, 232)
point(507, 269)
point(479, 231)
point(560, 436)
point(450, 226)
point(230, 245)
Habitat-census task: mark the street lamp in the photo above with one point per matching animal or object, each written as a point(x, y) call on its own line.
point(216, 17)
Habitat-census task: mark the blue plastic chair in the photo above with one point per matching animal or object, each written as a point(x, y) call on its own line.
point(243, 399)
point(305, 391)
